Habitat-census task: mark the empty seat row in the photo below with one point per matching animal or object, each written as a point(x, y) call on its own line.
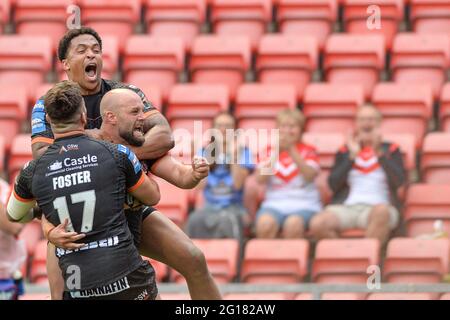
point(280, 59)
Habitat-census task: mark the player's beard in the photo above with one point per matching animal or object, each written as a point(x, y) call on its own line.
point(131, 139)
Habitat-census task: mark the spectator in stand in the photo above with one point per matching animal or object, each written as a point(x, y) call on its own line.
point(12, 251)
point(223, 214)
point(364, 179)
point(292, 197)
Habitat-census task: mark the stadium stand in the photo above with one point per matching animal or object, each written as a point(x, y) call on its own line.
point(13, 110)
point(241, 18)
point(331, 107)
point(220, 59)
point(426, 203)
point(435, 161)
point(173, 203)
point(304, 17)
point(420, 58)
point(416, 260)
point(406, 108)
point(111, 17)
point(354, 59)
point(153, 60)
point(20, 154)
point(430, 16)
point(5, 8)
point(445, 108)
point(169, 18)
point(221, 256)
point(344, 260)
point(38, 273)
point(288, 262)
point(287, 59)
point(40, 17)
point(355, 17)
point(25, 60)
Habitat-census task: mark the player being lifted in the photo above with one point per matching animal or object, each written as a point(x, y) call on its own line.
point(80, 52)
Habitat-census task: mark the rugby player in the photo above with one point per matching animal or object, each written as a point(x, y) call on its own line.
point(85, 182)
point(80, 54)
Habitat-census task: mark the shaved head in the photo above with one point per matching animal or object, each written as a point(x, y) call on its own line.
point(122, 112)
point(118, 98)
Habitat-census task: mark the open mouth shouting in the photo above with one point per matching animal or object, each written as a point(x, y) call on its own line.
point(90, 71)
point(138, 130)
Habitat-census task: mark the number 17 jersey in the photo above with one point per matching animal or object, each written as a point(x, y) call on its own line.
point(86, 181)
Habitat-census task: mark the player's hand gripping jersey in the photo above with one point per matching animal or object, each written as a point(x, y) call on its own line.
point(86, 181)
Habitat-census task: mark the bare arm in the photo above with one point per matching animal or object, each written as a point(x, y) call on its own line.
point(146, 191)
point(158, 138)
point(178, 174)
point(7, 226)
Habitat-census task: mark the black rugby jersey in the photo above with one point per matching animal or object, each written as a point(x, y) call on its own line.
point(86, 181)
point(41, 130)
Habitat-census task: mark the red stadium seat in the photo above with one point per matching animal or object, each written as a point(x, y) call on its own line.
point(110, 55)
point(444, 114)
point(153, 94)
point(331, 107)
point(111, 17)
point(287, 59)
point(174, 18)
point(221, 257)
point(416, 260)
point(24, 60)
point(356, 13)
point(420, 58)
point(430, 16)
point(327, 144)
point(406, 108)
point(220, 60)
point(426, 203)
point(241, 18)
point(257, 124)
point(5, 8)
point(31, 234)
point(173, 203)
point(306, 17)
point(401, 296)
point(354, 59)
point(260, 296)
point(264, 100)
point(275, 261)
point(407, 144)
point(41, 91)
point(190, 135)
point(38, 272)
point(343, 296)
point(435, 162)
point(153, 60)
point(13, 110)
point(445, 296)
point(42, 18)
point(344, 260)
point(196, 101)
point(20, 153)
point(304, 296)
point(161, 270)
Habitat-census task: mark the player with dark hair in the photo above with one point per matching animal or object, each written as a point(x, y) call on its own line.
point(80, 54)
point(85, 182)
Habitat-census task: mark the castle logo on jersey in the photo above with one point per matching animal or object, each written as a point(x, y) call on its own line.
point(72, 164)
point(55, 166)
